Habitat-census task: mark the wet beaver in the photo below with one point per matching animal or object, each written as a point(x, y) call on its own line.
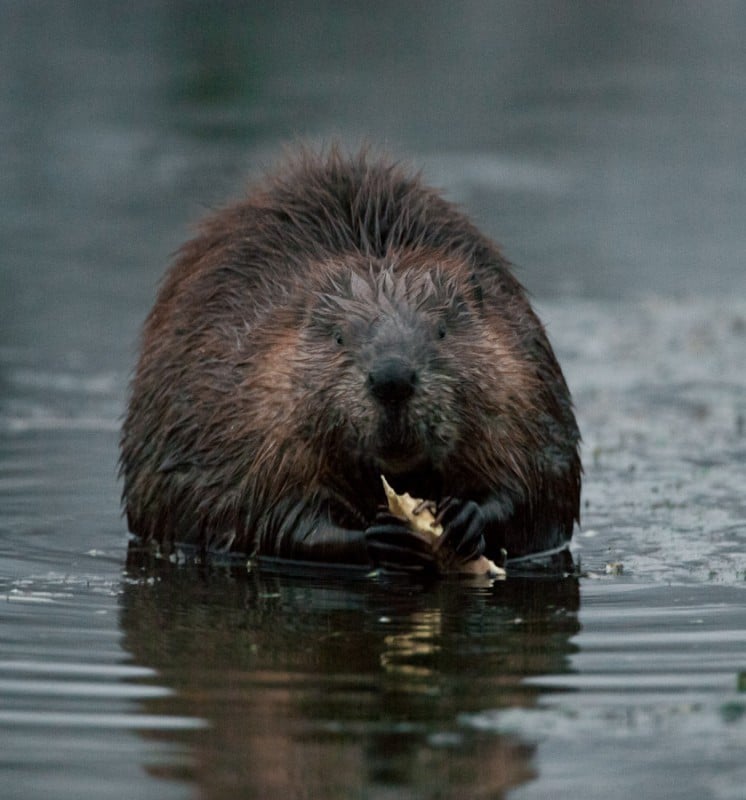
point(342, 322)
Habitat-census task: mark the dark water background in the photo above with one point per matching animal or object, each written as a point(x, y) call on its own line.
point(604, 146)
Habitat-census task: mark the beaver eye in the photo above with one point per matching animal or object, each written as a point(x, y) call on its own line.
point(442, 329)
point(339, 339)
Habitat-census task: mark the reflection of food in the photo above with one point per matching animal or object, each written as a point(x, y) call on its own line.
point(419, 514)
point(409, 654)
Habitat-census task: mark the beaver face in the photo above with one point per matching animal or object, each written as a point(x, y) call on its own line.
point(390, 340)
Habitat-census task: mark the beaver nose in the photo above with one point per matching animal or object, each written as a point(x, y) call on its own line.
point(392, 381)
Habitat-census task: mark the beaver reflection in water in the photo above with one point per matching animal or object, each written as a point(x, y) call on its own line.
point(342, 322)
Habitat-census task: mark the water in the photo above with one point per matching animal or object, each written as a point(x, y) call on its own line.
point(605, 149)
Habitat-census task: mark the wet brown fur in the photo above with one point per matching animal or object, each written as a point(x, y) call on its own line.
point(245, 418)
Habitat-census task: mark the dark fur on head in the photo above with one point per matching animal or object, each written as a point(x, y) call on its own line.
point(342, 321)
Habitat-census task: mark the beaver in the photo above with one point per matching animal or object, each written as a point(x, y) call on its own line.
point(342, 322)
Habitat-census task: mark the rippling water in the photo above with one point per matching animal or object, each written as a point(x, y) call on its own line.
point(605, 149)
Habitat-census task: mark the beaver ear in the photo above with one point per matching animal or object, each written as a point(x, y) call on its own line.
point(476, 288)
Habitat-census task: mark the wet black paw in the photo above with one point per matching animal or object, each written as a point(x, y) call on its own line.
point(393, 545)
point(463, 529)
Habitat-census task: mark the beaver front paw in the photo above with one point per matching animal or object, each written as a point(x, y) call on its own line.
point(463, 532)
point(394, 545)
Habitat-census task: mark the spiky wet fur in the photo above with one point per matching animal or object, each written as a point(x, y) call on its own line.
point(249, 406)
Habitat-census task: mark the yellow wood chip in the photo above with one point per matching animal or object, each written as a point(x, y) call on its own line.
point(412, 509)
point(422, 520)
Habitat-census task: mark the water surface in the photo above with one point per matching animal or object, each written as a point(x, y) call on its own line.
point(604, 147)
